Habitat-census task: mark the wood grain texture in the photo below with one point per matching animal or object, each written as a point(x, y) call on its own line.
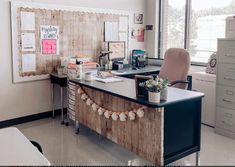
point(144, 136)
point(81, 35)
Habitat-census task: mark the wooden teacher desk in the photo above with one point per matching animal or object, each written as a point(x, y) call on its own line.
point(168, 131)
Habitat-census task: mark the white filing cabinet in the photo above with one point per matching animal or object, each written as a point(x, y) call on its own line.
point(225, 88)
point(205, 83)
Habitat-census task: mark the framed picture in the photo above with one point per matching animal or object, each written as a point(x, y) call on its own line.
point(118, 49)
point(141, 92)
point(211, 66)
point(138, 18)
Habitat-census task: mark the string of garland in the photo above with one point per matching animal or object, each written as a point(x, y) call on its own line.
point(122, 116)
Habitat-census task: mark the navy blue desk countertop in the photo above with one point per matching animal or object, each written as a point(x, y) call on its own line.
point(126, 90)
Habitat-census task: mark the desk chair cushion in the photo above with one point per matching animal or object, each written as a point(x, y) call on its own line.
point(176, 66)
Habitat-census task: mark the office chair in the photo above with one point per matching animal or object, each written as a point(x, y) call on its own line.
point(175, 67)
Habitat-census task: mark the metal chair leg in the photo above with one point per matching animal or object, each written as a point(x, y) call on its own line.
point(61, 104)
point(197, 158)
point(77, 128)
point(52, 100)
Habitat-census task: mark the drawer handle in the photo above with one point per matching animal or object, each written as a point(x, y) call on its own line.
point(228, 101)
point(229, 78)
point(227, 55)
point(229, 92)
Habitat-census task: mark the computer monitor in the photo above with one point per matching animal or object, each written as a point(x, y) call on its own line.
point(118, 49)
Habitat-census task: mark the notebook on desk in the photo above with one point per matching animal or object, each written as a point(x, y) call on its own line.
point(108, 80)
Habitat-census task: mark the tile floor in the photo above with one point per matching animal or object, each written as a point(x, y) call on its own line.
point(62, 146)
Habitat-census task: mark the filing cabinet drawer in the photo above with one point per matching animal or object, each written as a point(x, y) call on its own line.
point(71, 92)
point(226, 51)
point(72, 117)
point(72, 97)
point(71, 107)
point(225, 119)
point(72, 87)
point(71, 112)
point(226, 74)
point(72, 102)
point(226, 97)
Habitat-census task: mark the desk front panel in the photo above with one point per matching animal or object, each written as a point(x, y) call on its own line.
point(182, 129)
point(143, 136)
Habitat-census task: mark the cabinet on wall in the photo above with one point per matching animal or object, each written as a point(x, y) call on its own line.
point(205, 83)
point(225, 88)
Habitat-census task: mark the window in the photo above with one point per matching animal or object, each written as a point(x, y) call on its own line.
point(194, 25)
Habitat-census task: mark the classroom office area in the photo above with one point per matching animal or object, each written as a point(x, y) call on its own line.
point(117, 83)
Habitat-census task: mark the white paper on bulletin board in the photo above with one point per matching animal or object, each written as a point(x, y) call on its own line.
point(123, 24)
point(27, 21)
point(123, 37)
point(28, 62)
point(28, 42)
point(111, 31)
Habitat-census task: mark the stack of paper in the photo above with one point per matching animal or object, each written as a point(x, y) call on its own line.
point(108, 80)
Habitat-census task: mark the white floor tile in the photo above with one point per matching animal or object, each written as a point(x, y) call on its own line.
point(62, 146)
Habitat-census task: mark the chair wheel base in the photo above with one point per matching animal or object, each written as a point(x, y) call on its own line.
point(77, 131)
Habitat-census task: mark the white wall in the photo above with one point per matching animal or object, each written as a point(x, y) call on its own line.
point(152, 10)
point(17, 100)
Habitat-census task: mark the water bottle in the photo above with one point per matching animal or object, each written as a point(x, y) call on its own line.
point(79, 72)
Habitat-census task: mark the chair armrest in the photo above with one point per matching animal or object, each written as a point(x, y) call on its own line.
point(178, 82)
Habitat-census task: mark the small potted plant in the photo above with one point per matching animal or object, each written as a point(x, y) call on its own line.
point(164, 91)
point(157, 89)
point(154, 87)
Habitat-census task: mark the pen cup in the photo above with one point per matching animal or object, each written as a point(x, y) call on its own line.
point(88, 76)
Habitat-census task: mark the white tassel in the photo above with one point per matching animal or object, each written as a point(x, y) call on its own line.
point(84, 97)
point(107, 114)
point(101, 111)
point(94, 107)
point(140, 113)
point(114, 116)
point(89, 102)
point(79, 91)
point(122, 117)
point(131, 115)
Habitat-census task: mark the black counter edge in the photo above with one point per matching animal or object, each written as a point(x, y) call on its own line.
point(173, 158)
point(133, 100)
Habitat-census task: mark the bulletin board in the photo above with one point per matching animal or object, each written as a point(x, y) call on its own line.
point(42, 35)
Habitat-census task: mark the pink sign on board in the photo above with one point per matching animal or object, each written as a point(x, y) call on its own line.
point(49, 40)
point(49, 46)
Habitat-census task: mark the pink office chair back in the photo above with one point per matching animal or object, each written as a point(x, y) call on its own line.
point(176, 66)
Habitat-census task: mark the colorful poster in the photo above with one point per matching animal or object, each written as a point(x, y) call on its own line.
point(138, 34)
point(50, 40)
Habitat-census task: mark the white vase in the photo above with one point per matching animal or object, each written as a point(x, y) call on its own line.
point(164, 94)
point(154, 97)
